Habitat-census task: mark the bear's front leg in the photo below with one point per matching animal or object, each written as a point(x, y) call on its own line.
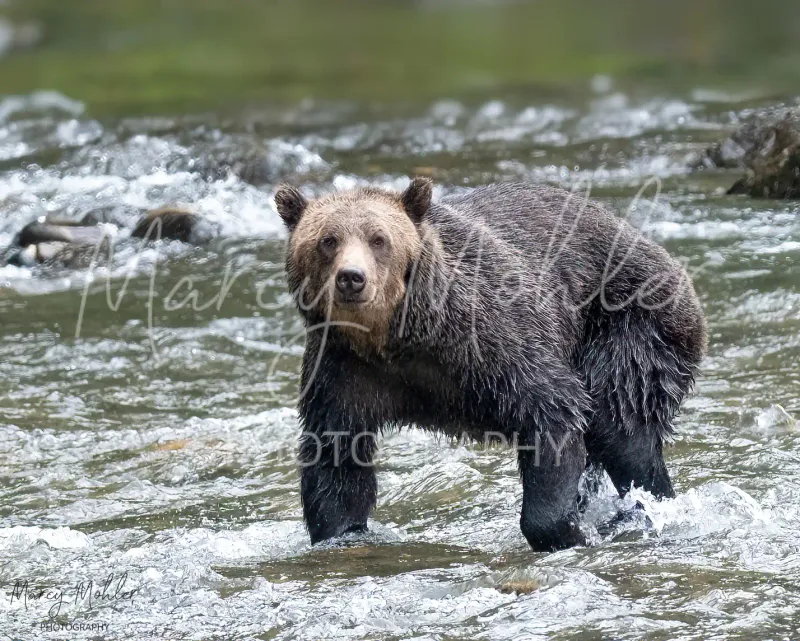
point(551, 466)
point(338, 487)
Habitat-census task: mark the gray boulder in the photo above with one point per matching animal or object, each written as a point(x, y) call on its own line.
point(767, 149)
point(772, 163)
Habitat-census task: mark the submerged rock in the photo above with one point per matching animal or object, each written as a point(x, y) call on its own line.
point(249, 164)
point(55, 241)
point(731, 152)
point(174, 223)
point(255, 162)
point(71, 244)
point(773, 162)
point(767, 148)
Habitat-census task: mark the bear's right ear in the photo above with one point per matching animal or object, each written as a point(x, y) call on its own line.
point(290, 204)
point(416, 198)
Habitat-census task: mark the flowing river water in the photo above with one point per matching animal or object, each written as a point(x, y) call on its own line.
point(147, 421)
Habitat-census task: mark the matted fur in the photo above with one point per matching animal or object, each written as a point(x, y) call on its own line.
point(524, 311)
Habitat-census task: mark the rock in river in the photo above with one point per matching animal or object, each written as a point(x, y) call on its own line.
point(767, 148)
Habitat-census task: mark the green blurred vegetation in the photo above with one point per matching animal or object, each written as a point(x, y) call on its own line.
point(167, 56)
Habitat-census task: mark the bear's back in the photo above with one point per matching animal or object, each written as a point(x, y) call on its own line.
point(529, 217)
point(550, 228)
point(556, 241)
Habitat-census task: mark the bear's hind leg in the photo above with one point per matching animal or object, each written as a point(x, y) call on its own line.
point(637, 380)
point(632, 460)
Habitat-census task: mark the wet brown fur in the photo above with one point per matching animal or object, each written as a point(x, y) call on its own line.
point(529, 312)
point(353, 218)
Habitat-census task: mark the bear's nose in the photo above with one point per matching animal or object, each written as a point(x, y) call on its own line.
point(350, 280)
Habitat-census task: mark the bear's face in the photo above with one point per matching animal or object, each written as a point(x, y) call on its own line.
point(350, 252)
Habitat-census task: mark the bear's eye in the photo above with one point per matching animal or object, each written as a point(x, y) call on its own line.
point(328, 243)
point(378, 242)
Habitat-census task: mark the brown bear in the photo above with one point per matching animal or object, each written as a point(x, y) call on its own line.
point(520, 313)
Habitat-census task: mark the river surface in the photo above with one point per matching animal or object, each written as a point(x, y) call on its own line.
point(147, 421)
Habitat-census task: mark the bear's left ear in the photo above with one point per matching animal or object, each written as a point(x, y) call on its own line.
point(290, 204)
point(416, 198)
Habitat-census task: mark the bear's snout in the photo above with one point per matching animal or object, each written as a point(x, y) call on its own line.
point(350, 281)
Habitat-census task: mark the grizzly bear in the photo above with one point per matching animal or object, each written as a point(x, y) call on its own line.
point(508, 312)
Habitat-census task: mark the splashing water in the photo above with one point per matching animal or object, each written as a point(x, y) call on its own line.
point(159, 446)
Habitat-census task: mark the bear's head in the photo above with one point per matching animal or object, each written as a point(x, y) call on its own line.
point(350, 254)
